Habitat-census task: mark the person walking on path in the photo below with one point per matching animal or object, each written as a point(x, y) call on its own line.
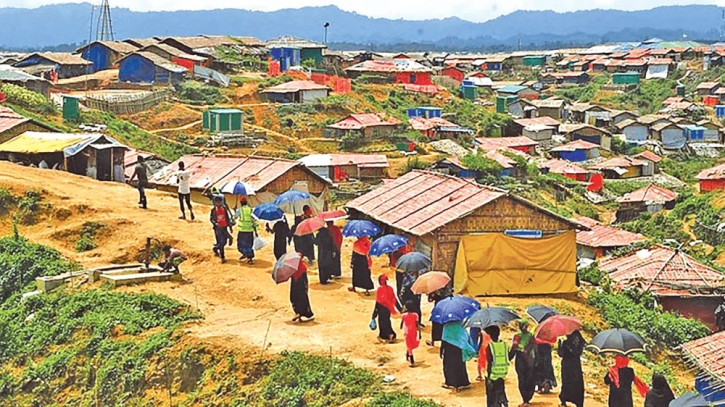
point(409, 324)
point(407, 296)
point(660, 395)
point(282, 237)
point(327, 254)
point(386, 305)
point(172, 259)
point(304, 244)
point(436, 328)
point(484, 340)
point(337, 238)
point(497, 367)
point(399, 275)
point(523, 349)
point(247, 230)
point(620, 379)
point(220, 220)
point(456, 350)
point(141, 174)
point(182, 176)
point(544, 377)
point(572, 377)
point(299, 296)
point(360, 264)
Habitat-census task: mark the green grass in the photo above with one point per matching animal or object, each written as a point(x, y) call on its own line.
point(134, 136)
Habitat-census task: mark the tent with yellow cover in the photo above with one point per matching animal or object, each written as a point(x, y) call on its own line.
point(497, 264)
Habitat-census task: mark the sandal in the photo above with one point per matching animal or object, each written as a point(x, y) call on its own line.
point(430, 343)
point(351, 289)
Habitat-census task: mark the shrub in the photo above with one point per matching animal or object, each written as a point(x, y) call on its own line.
point(399, 399)
point(28, 206)
point(636, 311)
point(88, 232)
point(198, 92)
point(7, 200)
point(352, 140)
point(21, 262)
point(478, 162)
point(26, 98)
point(592, 275)
point(314, 381)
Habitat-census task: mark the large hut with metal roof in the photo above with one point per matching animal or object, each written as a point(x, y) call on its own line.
point(13, 124)
point(105, 54)
point(704, 355)
point(679, 282)
point(146, 67)
point(600, 240)
point(491, 241)
point(65, 65)
point(268, 177)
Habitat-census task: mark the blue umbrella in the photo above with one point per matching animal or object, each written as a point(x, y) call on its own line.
point(412, 262)
point(387, 244)
point(268, 211)
point(690, 400)
point(291, 196)
point(237, 188)
point(452, 309)
point(360, 228)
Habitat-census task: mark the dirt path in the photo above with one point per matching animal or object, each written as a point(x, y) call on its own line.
point(185, 127)
point(240, 302)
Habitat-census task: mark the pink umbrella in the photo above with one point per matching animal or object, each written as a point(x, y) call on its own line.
point(556, 326)
point(285, 267)
point(332, 215)
point(430, 282)
point(309, 226)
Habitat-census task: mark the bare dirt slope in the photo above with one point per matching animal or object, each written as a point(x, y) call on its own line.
point(241, 302)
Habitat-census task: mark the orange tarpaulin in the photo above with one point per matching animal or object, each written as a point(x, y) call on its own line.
point(497, 264)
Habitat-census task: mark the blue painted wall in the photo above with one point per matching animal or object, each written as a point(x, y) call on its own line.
point(574, 156)
point(136, 69)
point(99, 55)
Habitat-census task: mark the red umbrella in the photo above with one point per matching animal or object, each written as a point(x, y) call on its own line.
point(430, 282)
point(309, 226)
point(332, 215)
point(285, 267)
point(556, 326)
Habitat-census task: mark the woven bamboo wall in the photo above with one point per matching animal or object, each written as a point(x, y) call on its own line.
point(287, 180)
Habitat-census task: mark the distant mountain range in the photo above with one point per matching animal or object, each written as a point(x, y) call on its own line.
point(49, 26)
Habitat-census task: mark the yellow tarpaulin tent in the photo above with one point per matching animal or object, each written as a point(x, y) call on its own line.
point(39, 143)
point(497, 264)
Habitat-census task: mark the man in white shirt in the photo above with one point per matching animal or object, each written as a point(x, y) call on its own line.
point(182, 176)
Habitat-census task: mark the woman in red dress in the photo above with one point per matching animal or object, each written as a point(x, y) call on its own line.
point(409, 324)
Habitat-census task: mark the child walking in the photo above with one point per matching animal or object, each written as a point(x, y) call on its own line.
point(410, 326)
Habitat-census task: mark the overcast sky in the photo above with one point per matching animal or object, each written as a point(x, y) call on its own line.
point(473, 10)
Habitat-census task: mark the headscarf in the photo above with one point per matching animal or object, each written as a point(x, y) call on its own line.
point(362, 246)
point(661, 393)
point(336, 234)
point(621, 362)
point(301, 269)
point(575, 343)
point(307, 210)
point(243, 200)
point(385, 295)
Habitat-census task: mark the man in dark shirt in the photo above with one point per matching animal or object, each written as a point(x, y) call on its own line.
point(139, 172)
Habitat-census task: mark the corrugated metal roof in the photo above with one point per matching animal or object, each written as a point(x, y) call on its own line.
point(707, 85)
point(717, 172)
point(294, 42)
point(619, 162)
point(648, 155)
point(421, 202)
point(9, 119)
point(604, 236)
point(495, 143)
point(576, 145)
point(208, 171)
point(559, 166)
point(295, 86)
point(544, 121)
point(394, 66)
point(362, 160)
point(567, 128)
point(707, 355)
point(360, 121)
point(117, 46)
point(650, 193)
point(662, 271)
point(158, 61)
point(60, 58)
point(425, 124)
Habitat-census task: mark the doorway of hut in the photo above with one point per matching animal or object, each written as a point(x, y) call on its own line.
point(103, 164)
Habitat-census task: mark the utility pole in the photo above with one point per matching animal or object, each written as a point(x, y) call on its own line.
point(326, 26)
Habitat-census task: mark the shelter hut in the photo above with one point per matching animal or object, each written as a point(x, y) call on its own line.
point(651, 198)
point(621, 168)
point(576, 151)
point(65, 65)
point(13, 124)
point(368, 125)
point(521, 143)
point(18, 77)
point(105, 54)
point(436, 128)
point(466, 228)
point(296, 92)
point(634, 132)
point(516, 127)
point(600, 240)
point(671, 135)
point(177, 56)
point(268, 177)
point(588, 133)
point(554, 108)
point(146, 67)
point(680, 283)
point(344, 167)
point(94, 155)
point(712, 179)
point(405, 71)
point(653, 163)
point(705, 355)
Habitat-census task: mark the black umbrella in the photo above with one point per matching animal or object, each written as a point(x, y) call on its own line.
point(540, 312)
point(491, 316)
point(618, 341)
point(412, 262)
point(690, 400)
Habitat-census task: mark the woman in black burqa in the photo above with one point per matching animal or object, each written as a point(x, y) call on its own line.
point(572, 377)
point(282, 237)
point(660, 395)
